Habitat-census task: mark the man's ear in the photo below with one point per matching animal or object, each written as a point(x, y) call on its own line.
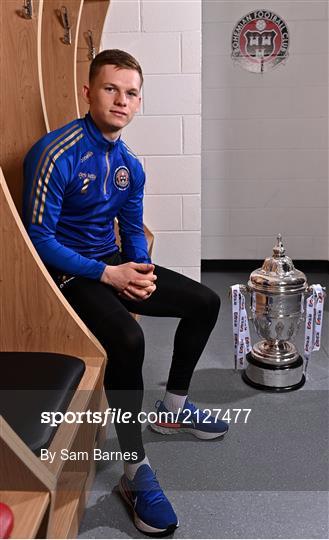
point(86, 93)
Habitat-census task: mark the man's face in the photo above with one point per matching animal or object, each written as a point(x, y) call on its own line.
point(114, 98)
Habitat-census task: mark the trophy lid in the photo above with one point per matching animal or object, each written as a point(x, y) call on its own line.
point(278, 274)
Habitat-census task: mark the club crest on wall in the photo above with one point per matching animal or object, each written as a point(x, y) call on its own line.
point(260, 41)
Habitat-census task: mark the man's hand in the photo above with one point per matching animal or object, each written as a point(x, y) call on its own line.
point(133, 281)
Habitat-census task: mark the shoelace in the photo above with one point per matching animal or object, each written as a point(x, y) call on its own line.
point(201, 415)
point(149, 485)
point(189, 405)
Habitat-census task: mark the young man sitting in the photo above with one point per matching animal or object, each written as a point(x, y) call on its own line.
point(78, 179)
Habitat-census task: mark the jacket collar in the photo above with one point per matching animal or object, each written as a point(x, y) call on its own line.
point(96, 137)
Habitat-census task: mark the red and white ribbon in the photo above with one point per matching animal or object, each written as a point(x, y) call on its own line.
point(241, 334)
point(313, 322)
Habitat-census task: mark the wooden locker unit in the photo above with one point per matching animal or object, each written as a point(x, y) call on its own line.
point(91, 26)
point(22, 121)
point(35, 317)
point(35, 314)
point(58, 61)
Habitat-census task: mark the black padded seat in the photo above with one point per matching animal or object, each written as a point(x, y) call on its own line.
point(32, 383)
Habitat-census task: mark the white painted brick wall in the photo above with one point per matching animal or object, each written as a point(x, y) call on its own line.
point(166, 38)
point(230, 102)
point(191, 52)
point(157, 53)
point(191, 134)
point(278, 193)
point(191, 212)
point(231, 11)
point(254, 247)
point(182, 94)
point(265, 166)
point(164, 212)
point(171, 15)
point(173, 174)
point(227, 75)
point(152, 135)
point(181, 247)
point(265, 138)
point(118, 20)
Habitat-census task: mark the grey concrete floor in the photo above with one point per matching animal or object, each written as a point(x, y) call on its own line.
point(267, 479)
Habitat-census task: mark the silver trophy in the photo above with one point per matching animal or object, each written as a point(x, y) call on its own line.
point(278, 292)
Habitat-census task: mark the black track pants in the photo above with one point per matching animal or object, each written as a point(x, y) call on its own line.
point(108, 317)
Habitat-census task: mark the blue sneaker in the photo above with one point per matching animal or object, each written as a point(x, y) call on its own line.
point(152, 512)
point(190, 419)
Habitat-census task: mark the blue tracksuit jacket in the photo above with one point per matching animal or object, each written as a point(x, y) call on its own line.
point(76, 183)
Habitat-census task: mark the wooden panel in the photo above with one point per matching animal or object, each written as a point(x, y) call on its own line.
point(28, 508)
point(67, 433)
point(34, 314)
point(20, 468)
point(67, 511)
point(150, 239)
point(101, 434)
point(22, 121)
point(58, 61)
point(92, 19)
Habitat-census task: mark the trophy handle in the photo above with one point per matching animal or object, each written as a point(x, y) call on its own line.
point(245, 290)
point(309, 291)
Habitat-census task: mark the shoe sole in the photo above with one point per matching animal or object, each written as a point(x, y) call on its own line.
point(196, 432)
point(139, 523)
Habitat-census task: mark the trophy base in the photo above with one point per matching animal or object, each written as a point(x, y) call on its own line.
point(278, 353)
point(274, 378)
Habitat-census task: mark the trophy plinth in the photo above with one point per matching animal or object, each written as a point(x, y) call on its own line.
point(277, 304)
point(272, 377)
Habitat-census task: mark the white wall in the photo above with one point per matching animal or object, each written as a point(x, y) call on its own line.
point(165, 36)
point(265, 138)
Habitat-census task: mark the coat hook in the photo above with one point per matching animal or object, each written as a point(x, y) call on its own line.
point(27, 9)
point(92, 48)
point(67, 39)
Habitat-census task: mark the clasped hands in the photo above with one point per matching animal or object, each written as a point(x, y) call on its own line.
point(133, 281)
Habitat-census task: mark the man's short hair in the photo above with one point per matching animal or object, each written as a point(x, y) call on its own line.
point(114, 57)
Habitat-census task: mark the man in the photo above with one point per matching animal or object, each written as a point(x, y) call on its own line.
point(77, 180)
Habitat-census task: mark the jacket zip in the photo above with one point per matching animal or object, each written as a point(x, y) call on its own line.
point(108, 170)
